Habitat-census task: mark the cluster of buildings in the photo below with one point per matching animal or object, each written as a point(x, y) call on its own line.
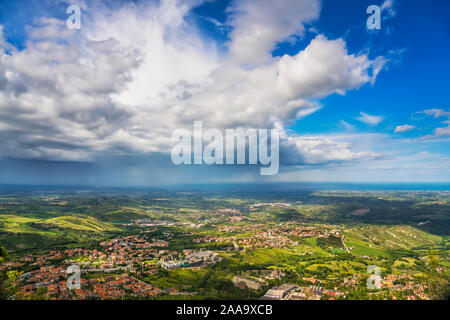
point(391, 284)
point(405, 283)
point(261, 236)
point(283, 292)
point(193, 259)
point(54, 284)
point(256, 283)
point(257, 206)
point(48, 275)
point(118, 256)
point(51, 279)
point(234, 219)
point(311, 231)
point(229, 211)
point(129, 251)
point(36, 261)
point(293, 292)
point(106, 272)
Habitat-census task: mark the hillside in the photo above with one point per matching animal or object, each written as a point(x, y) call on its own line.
point(389, 237)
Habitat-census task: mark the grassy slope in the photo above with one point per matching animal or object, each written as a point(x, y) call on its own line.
point(81, 223)
point(19, 233)
point(376, 240)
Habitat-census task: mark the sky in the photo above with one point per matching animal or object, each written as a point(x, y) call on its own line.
point(98, 105)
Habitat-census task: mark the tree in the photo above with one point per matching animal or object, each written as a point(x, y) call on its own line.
point(436, 280)
point(3, 254)
point(5, 284)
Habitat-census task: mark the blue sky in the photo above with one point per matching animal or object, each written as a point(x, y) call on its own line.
point(98, 105)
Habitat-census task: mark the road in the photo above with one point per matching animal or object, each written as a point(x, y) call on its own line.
point(343, 242)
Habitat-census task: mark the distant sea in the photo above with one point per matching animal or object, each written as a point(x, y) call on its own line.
point(319, 186)
point(275, 186)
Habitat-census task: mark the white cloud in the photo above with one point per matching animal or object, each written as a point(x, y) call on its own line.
point(312, 150)
point(260, 24)
point(442, 132)
point(347, 126)
point(132, 75)
point(388, 7)
point(370, 119)
point(404, 128)
point(403, 163)
point(438, 113)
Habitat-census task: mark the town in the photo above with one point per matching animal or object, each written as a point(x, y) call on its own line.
point(257, 250)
